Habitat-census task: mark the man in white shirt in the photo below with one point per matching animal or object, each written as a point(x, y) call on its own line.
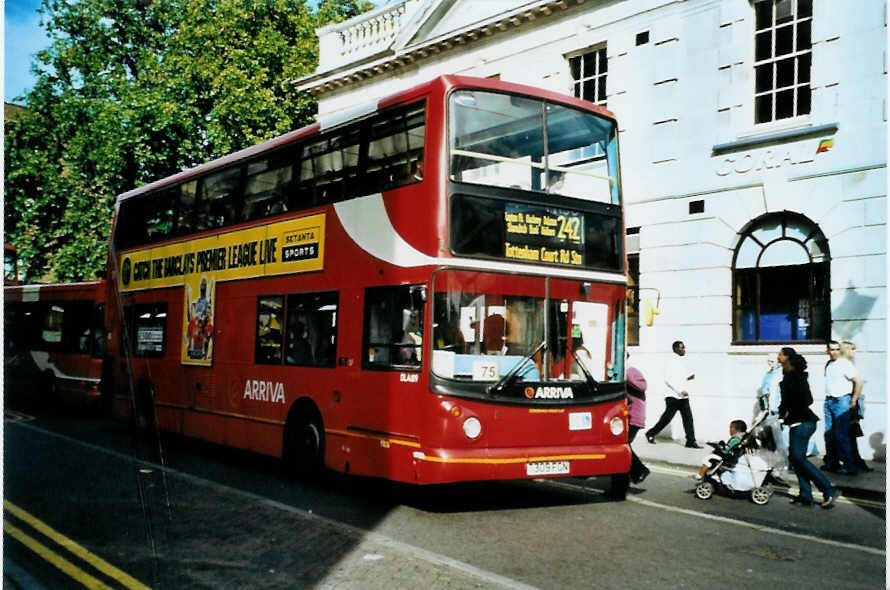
point(842, 389)
point(676, 397)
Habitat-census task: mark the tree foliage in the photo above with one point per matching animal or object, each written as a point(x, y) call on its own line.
point(130, 91)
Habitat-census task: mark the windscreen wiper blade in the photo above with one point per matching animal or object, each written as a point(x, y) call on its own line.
point(594, 384)
point(508, 378)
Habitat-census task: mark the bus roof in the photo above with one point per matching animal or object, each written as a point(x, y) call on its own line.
point(444, 83)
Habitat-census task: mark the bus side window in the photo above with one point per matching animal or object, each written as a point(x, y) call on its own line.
point(97, 331)
point(270, 309)
point(311, 329)
point(393, 327)
point(130, 229)
point(395, 149)
point(159, 214)
point(51, 329)
point(76, 329)
point(149, 329)
point(268, 182)
point(217, 206)
point(185, 218)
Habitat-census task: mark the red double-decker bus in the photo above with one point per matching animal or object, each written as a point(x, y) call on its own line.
point(54, 342)
point(429, 288)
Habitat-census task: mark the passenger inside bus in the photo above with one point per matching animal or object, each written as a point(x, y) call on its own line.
point(412, 335)
point(446, 331)
point(299, 349)
point(494, 334)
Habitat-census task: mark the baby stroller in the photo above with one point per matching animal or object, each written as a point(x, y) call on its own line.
point(741, 470)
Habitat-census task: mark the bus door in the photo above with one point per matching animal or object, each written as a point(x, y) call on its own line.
point(393, 323)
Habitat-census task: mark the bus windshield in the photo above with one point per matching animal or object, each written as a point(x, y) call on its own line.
point(482, 331)
point(524, 143)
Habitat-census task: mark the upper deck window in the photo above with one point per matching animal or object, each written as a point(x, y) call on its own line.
point(378, 153)
point(528, 144)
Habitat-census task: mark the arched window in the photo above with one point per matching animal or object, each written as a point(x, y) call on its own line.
point(780, 286)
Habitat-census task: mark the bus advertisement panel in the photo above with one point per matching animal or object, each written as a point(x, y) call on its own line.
point(198, 265)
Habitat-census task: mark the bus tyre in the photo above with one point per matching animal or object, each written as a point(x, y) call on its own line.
point(618, 486)
point(303, 452)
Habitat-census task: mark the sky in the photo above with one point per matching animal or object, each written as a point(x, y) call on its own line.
point(23, 37)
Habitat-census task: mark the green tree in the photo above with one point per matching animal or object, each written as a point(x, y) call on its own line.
point(130, 91)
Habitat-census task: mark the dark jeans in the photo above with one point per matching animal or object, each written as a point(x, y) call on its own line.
point(807, 473)
point(673, 405)
point(837, 433)
point(636, 466)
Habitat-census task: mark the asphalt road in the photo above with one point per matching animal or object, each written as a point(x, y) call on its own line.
point(177, 513)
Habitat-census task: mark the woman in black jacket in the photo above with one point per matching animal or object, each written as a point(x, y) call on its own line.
point(795, 412)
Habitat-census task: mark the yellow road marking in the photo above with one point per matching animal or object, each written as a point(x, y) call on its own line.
point(94, 560)
point(55, 559)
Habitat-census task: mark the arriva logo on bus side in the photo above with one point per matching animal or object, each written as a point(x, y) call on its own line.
point(264, 391)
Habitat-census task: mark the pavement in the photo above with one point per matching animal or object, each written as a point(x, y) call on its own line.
point(869, 485)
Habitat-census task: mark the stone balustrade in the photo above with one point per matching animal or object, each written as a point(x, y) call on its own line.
point(363, 36)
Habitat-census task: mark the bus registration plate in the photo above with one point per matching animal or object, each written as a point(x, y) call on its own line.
point(546, 468)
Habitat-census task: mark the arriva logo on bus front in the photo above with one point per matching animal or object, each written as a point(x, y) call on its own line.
point(264, 391)
point(549, 393)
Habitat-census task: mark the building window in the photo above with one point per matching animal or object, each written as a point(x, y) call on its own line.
point(589, 75)
point(782, 59)
point(781, 281)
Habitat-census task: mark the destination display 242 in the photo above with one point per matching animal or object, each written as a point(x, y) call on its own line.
point(543, 234)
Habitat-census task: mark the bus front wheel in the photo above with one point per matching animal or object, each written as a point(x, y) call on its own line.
point(303, 452)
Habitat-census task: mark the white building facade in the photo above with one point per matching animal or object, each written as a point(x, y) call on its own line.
point(753, 146)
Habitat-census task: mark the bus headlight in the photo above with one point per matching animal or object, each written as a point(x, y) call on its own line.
point(472, 427)
point(616, 425)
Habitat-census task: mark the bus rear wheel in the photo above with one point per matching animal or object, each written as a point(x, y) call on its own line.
point(303, 452)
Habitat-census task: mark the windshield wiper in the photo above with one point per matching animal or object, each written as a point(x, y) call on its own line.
point(508, 378)
point(594, 384)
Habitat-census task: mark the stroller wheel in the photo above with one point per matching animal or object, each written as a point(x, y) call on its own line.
point(704, 490)
point(761, 495)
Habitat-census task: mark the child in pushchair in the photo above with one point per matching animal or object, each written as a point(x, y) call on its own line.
point(735, 467)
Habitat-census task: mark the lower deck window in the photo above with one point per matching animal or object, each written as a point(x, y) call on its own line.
point(299, 330)
point(145, 330)
point(394, 327)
